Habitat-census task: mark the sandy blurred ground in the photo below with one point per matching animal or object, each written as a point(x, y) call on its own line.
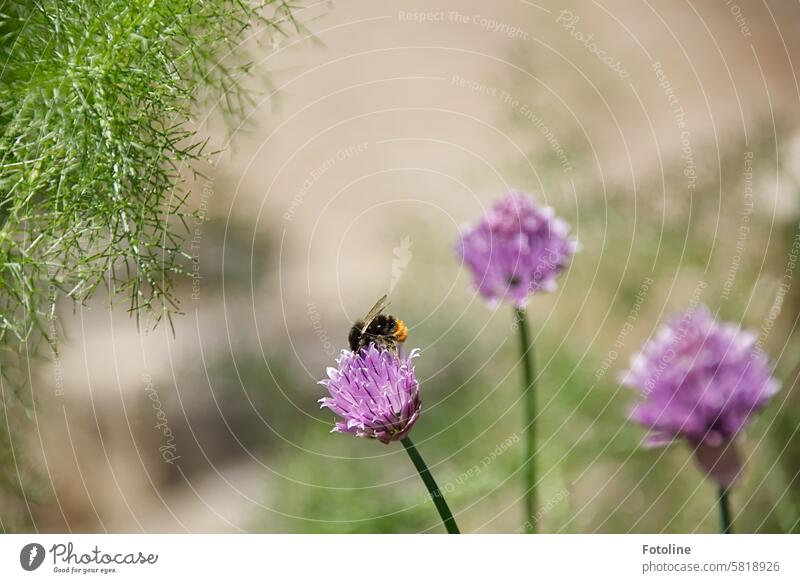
point(390, 129)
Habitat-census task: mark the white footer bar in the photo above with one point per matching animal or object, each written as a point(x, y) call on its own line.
point(466, 558)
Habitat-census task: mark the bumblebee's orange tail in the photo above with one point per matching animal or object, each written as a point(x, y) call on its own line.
point(402, 331)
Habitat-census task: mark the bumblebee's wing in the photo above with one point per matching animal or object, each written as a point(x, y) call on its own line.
point(379, 306)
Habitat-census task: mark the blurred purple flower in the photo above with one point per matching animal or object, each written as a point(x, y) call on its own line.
point(701, 381)
point(374, 392)
point(518, 248)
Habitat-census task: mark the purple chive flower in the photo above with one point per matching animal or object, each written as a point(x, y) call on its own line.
point(518, 248)
point(374, 392)
point(701, 381)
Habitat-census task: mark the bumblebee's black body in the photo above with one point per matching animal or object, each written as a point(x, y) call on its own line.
point(382, 330)
point(381, 326)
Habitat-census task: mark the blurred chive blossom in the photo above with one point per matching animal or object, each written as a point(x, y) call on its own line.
point(517, 249)
point(374, 392)
point(701, 381)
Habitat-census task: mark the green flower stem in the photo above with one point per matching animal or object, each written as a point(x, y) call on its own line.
point(725, 518)
point(529, 393)
point(430, 483)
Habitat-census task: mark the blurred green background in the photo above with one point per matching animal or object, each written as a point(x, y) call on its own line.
point(351, 181)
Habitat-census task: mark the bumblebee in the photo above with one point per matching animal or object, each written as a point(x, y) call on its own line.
point(382, 330)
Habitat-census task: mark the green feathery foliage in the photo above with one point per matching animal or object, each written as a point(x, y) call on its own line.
point(97, 98)
point(97, 106)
